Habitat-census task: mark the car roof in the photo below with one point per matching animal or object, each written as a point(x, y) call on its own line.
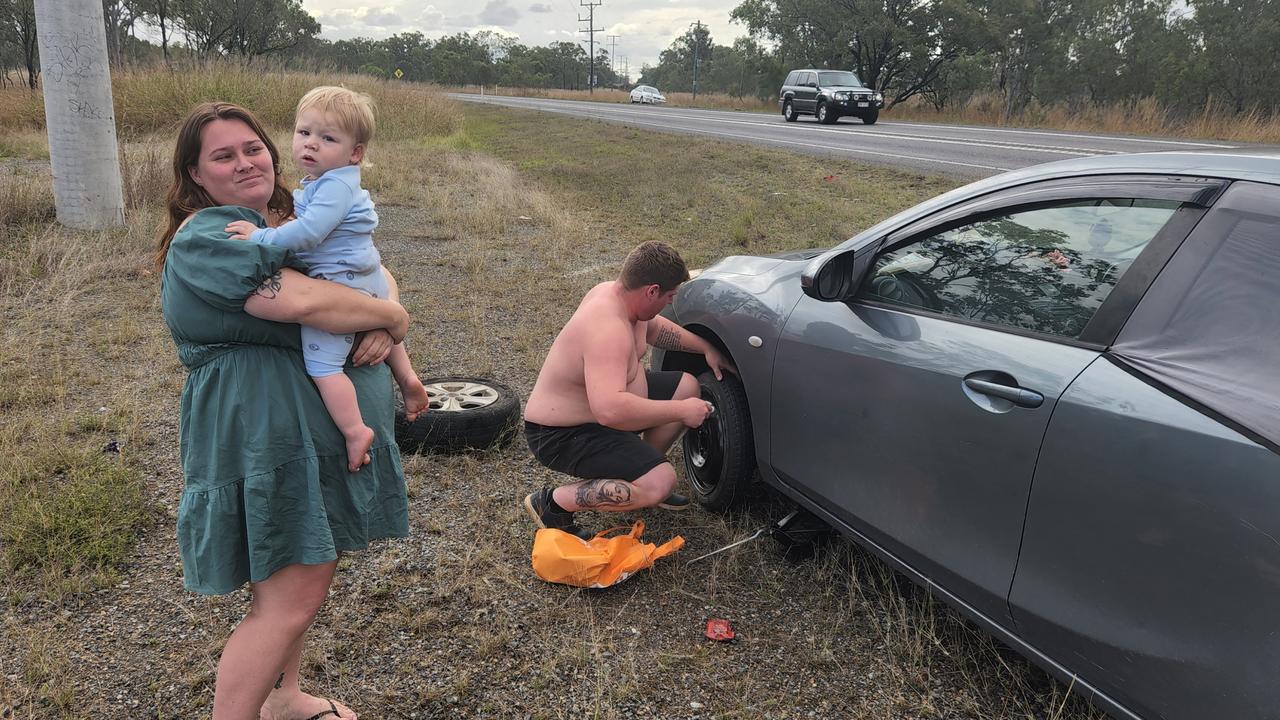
point(1260, 164)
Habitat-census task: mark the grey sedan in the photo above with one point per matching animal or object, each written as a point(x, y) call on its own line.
point(1051, 397)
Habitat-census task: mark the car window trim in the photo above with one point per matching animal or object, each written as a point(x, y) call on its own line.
point(997, 327)
point(1120, 303)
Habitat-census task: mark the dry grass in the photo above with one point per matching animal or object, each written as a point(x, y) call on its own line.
point(156, 100)
point(494, 228)
point(711, 101)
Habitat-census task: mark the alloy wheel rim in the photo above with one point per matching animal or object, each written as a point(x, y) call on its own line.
point(460, 395)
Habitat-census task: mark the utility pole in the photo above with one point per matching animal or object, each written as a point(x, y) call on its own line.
point(591, 31)
point(79, 115)
point(613, 48)
point(626, 69)
point(697, 44)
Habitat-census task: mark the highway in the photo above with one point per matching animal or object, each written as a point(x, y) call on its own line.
point(964, 151)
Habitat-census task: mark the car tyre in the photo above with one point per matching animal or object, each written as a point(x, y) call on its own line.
point(465, 413)
point(871, 117)
point(719, 456)
point(789, 112)
point(825, 116)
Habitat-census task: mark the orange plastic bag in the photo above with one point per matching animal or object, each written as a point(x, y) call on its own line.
point(560, 557)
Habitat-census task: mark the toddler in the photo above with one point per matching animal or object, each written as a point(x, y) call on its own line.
point(333, 234)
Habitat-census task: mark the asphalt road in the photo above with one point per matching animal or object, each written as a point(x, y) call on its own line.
point(957, 150)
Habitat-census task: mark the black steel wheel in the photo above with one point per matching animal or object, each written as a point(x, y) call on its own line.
point(719, 456)
point(464, 413)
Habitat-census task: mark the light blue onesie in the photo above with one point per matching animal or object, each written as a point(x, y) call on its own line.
point(333, 235)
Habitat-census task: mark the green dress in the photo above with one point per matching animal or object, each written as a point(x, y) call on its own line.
point(266, 469)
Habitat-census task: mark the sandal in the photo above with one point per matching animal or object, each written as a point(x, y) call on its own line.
point(333, 710)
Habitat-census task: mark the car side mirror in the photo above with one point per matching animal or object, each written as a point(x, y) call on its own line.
point(835, 276)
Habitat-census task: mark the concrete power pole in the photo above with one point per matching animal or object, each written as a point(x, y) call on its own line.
point(591, 31)
point(613, 48)
point(79, 114)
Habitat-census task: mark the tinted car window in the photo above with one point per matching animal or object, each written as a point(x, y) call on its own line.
point(1045, 269)
point(791, 78)
point(807, 78)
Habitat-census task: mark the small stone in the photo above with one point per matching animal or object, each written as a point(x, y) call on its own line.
point(696, 705)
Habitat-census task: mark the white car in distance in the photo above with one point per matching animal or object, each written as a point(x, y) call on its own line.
point(647, 95)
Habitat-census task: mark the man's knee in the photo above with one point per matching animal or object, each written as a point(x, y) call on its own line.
point(688, 388)
point(655, 485)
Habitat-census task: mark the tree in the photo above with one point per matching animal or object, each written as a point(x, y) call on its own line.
point(262, 27)
point(18, 29)
point(161, 14)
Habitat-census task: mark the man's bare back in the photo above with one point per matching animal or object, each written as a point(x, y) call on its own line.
point(559, 396)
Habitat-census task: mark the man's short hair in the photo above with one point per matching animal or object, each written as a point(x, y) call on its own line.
point(352, 111)
point(653, 263)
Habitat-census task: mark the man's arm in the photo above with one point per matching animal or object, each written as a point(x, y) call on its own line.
point(290, 296)
point(666, 335)
point(604, 365)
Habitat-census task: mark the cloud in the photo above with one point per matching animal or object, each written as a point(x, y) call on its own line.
point(539, 8)
point(499, 12)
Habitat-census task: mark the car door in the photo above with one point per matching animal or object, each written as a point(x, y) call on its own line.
point(1151, 560)
point(807, 92)
point(914, 410)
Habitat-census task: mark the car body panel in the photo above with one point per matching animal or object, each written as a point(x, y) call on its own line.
point(1151, 552)
point(899, 447)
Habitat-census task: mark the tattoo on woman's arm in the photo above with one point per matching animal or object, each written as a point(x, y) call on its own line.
point(270, 286)
point(603, 493)
point(669, 339)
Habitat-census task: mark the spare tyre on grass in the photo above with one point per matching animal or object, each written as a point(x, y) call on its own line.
point(464, 413)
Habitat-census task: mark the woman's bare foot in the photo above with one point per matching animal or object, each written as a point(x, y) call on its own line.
point(301, 706)
point(358, 444)
point(416, 399)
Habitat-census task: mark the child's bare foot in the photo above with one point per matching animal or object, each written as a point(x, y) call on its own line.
point(416, 399)
point(301, 706)
point(358, 444)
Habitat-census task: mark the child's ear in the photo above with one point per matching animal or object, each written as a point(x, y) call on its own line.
point(357, 154)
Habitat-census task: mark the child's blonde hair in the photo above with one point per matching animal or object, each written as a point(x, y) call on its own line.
point(352, 110)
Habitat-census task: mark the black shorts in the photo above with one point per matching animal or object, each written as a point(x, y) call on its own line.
point(592, 451)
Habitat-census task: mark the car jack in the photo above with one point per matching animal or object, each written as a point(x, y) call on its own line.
point(797, 528)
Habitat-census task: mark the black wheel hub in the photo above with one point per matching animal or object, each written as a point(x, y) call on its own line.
point(703, 452)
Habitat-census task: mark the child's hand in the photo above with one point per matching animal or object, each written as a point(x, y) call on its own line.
point(240, 229)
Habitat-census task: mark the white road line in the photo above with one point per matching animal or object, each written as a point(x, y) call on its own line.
point(1068, 135)
point(739, 136)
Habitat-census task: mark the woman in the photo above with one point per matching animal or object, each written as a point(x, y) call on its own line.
point(268, 498)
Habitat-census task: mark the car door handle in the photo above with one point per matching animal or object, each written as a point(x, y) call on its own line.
point(1021, 397)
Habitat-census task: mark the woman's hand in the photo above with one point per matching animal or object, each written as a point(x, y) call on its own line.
point(372, 347)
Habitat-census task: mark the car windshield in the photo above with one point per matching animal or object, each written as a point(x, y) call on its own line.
point(839, 77)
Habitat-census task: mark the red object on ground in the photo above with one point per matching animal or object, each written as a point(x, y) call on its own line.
point(719, 630)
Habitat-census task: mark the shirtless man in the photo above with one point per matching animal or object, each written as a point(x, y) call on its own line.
point(597, 414)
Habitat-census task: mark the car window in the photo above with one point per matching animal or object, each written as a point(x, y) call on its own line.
point(839, 77)
point(1043, 269)
point(807, 78)
point(791, 78)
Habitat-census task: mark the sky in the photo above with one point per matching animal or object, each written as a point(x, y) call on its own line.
point(644, 27)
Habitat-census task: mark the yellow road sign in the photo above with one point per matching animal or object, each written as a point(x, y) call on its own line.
point(399, 73)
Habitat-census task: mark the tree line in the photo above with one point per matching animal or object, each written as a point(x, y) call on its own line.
point(1180, 53)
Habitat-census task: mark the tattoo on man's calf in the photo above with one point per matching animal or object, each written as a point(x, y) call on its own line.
point(603, 493)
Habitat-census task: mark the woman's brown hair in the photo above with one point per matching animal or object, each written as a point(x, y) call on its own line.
point(185, 196)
